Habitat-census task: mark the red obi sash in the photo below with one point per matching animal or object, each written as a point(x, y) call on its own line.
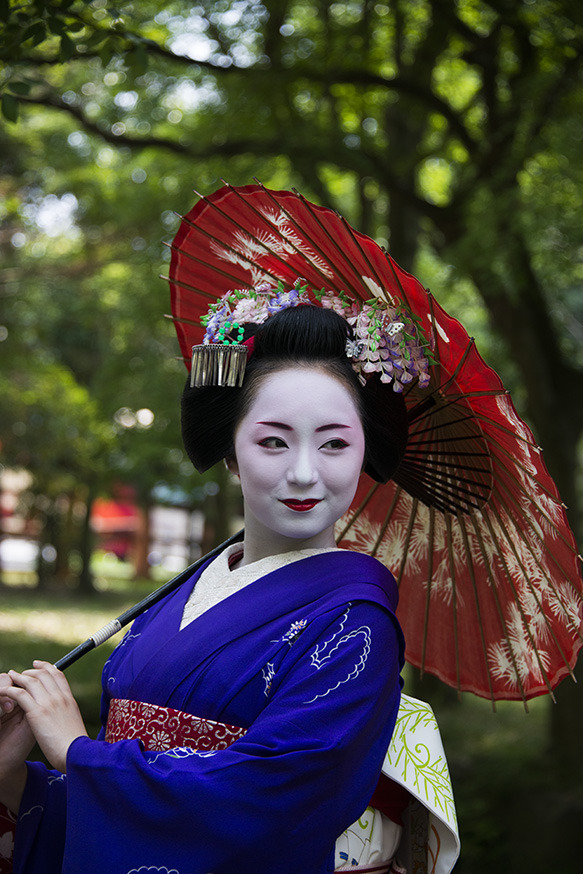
point(161, 728)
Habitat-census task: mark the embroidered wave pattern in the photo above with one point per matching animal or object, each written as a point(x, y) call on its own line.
point(179, 753)
point(332, 647)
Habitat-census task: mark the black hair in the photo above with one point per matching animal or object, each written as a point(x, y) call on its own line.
point(298, 336)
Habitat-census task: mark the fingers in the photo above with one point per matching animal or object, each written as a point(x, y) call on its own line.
point(42, 674)
point(40, 685)
point(44, 671)
point(4, 681)
point(51, 711)
point(6, 704)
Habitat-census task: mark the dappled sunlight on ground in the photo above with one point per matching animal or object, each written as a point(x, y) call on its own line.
point(65, 626)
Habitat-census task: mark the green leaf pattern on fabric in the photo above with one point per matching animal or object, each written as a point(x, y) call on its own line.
point(420, 767)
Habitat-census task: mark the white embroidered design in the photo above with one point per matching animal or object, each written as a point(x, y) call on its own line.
point(268, 674)
point(330, 648)
point(294, 631)
point(179, 753)
point(152, 869)
point(127, 638)
point(32, 810)
point(53, 779)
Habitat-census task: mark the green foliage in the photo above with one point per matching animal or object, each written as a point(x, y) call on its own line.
point(437, 128)
point(448, 131)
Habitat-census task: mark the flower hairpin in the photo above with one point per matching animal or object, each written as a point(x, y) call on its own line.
point(386, 339)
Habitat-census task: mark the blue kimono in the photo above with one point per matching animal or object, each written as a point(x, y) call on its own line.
point(307, 659)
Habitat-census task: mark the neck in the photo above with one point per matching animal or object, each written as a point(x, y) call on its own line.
point(258, 544)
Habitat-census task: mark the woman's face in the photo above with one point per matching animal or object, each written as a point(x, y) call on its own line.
point(299, 451)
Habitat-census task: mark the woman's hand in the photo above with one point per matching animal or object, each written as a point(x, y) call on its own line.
point(52, 714)
point(16, 738)
point(16, 742)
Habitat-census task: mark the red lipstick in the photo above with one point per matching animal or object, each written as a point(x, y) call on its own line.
point(301, 506)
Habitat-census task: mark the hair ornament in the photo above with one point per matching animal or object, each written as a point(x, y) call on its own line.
point(387, 339)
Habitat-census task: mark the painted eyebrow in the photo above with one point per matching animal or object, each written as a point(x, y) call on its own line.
point(332, 427)
point(279, 425)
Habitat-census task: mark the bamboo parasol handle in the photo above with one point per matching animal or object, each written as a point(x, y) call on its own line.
point(129, 615)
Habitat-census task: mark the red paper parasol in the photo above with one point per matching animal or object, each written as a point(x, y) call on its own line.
point(472, 526)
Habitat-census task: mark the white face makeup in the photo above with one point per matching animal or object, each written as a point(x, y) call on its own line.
point(299, 452)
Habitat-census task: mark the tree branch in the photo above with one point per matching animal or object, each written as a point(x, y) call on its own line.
point(302, 149)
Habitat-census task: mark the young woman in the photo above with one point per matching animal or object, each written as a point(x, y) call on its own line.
point(288, 643)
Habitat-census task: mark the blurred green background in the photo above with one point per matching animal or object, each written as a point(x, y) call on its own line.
point(449, 131)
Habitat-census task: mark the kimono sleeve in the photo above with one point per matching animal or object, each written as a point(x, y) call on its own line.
point(41, 823)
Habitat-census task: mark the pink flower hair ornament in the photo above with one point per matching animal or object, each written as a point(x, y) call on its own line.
point(387, 339)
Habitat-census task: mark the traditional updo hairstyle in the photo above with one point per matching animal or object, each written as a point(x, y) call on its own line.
point(300, 336)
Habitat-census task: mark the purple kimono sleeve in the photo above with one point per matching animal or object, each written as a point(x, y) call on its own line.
point(42, 814)
point(274, 801)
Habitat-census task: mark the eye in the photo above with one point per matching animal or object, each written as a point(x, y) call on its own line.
point(273, 443)
point(335, 443)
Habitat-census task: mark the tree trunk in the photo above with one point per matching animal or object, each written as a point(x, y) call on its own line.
point(142, 544)
point(86, 585)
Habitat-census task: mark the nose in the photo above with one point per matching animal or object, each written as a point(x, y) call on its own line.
point(302, 471)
